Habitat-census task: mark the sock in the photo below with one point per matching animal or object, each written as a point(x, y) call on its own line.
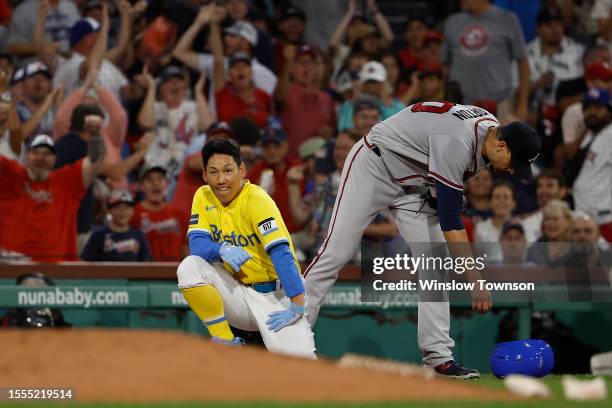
point(206, 302)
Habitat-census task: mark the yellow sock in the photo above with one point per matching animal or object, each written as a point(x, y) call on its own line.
point(206, 302)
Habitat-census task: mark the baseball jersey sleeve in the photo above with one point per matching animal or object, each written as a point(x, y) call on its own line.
point(448, 160)
point(197, 220)
point(266, 220)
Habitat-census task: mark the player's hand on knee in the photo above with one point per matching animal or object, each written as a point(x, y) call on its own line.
point(283, 318)
point(481, 300)
point(233, 255)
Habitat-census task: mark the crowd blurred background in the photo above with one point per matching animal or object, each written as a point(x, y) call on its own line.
point(296, 83)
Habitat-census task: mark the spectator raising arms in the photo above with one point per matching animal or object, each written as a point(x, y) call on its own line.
point(43, 202)
point(162, 224)
point(117, 241)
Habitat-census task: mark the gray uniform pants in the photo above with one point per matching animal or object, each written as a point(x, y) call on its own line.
point(367, 187)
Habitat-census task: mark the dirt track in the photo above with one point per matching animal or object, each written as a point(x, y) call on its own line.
point(150, 366)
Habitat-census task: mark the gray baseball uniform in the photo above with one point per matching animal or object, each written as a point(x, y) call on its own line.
point(422, 144)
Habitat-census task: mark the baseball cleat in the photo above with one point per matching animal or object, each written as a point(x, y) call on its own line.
point(452, 369)
point(235, 342)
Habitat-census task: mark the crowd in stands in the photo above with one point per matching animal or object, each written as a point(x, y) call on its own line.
point(106, 104)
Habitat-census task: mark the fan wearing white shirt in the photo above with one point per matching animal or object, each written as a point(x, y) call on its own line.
point(240, 37)
point(487, 232)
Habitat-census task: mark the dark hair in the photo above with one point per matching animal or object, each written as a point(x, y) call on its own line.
point(503, 183)
point(221, 146)
point(555, 175)
point(77, 120)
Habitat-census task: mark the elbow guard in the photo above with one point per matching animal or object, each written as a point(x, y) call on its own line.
point(450, 204)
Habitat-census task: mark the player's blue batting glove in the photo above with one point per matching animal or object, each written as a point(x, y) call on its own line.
point(278, 320)
point(233, 255)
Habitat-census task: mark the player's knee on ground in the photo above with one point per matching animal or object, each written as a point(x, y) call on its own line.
point(189, 273)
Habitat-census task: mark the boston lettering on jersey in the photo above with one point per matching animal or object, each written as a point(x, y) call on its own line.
point(471, 113)
point(239, 239)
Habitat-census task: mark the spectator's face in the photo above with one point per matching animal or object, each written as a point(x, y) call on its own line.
point(370, 44)
point(6, 66)
point(154, 186)
point(121, 214)
point(40, 162)
point(415, 33)
point(234, 43)
point(224, 177)
point(585, 230)
point(343, 146)
point(237, 9)
point(355, 62)
point(551, 32)
point(36, 87)
point(431, 86)
point(595, 116)
point(555, 225)
point(241, 75)
point(87, 43)
point(549, 189)
point(373, 88)
point(502, 201)
point(480, 185)
point(365, 119)
point(293, 28)
point(393, 70)
point(513, 245)
point(274, 153)
point(303, 70)
point(173, 89)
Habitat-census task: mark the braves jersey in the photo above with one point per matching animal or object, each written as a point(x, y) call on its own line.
point(251, 221)
point(433, 141)
point(593, 187)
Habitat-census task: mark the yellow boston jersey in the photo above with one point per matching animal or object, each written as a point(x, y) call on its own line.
point(251, 221)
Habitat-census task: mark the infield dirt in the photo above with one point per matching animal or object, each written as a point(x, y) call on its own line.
point(156, 366)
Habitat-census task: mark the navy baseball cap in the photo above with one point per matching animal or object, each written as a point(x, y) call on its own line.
point(524, 144)
point(273, 135)
point(171, 71)
point(82, 28)
point(546, 15)
point(597, 96)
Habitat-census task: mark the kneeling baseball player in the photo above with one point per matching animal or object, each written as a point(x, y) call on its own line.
point(242, 269)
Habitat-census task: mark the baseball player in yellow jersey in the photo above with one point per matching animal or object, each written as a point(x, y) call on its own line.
point(242, 269)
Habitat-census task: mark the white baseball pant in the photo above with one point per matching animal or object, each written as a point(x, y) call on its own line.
point(247, 309)
point(367, 187)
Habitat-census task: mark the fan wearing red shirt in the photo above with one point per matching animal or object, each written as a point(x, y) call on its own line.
point(275, 157)
point(162, 224)
point(307, 111)
point(40, 204)
point(238, 96)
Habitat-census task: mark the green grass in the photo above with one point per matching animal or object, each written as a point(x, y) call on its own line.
point(553, 381)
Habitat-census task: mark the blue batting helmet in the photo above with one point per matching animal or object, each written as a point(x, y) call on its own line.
point(532, 357)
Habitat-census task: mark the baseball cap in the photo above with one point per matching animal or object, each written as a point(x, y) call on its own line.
point(171, 71)
point(524, 145)
point(432, 36)
point(547, 15)
point(148, 168)
point(17, 76)
point(219, 127)
point(596, 96)
point(373, 71)
point(82, 28)
point(365, 102)
point(293, 11)
point(598, 70)
point(42, 140)
point(272, 134)
point(310, 147)
point(239, 57)
point(512, 225)
point(34, 68)
point(433, 69)
point(119, 196)
point(244, 30)
point(306, 50)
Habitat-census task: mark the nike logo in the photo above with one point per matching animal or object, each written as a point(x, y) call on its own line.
point(211, 207)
